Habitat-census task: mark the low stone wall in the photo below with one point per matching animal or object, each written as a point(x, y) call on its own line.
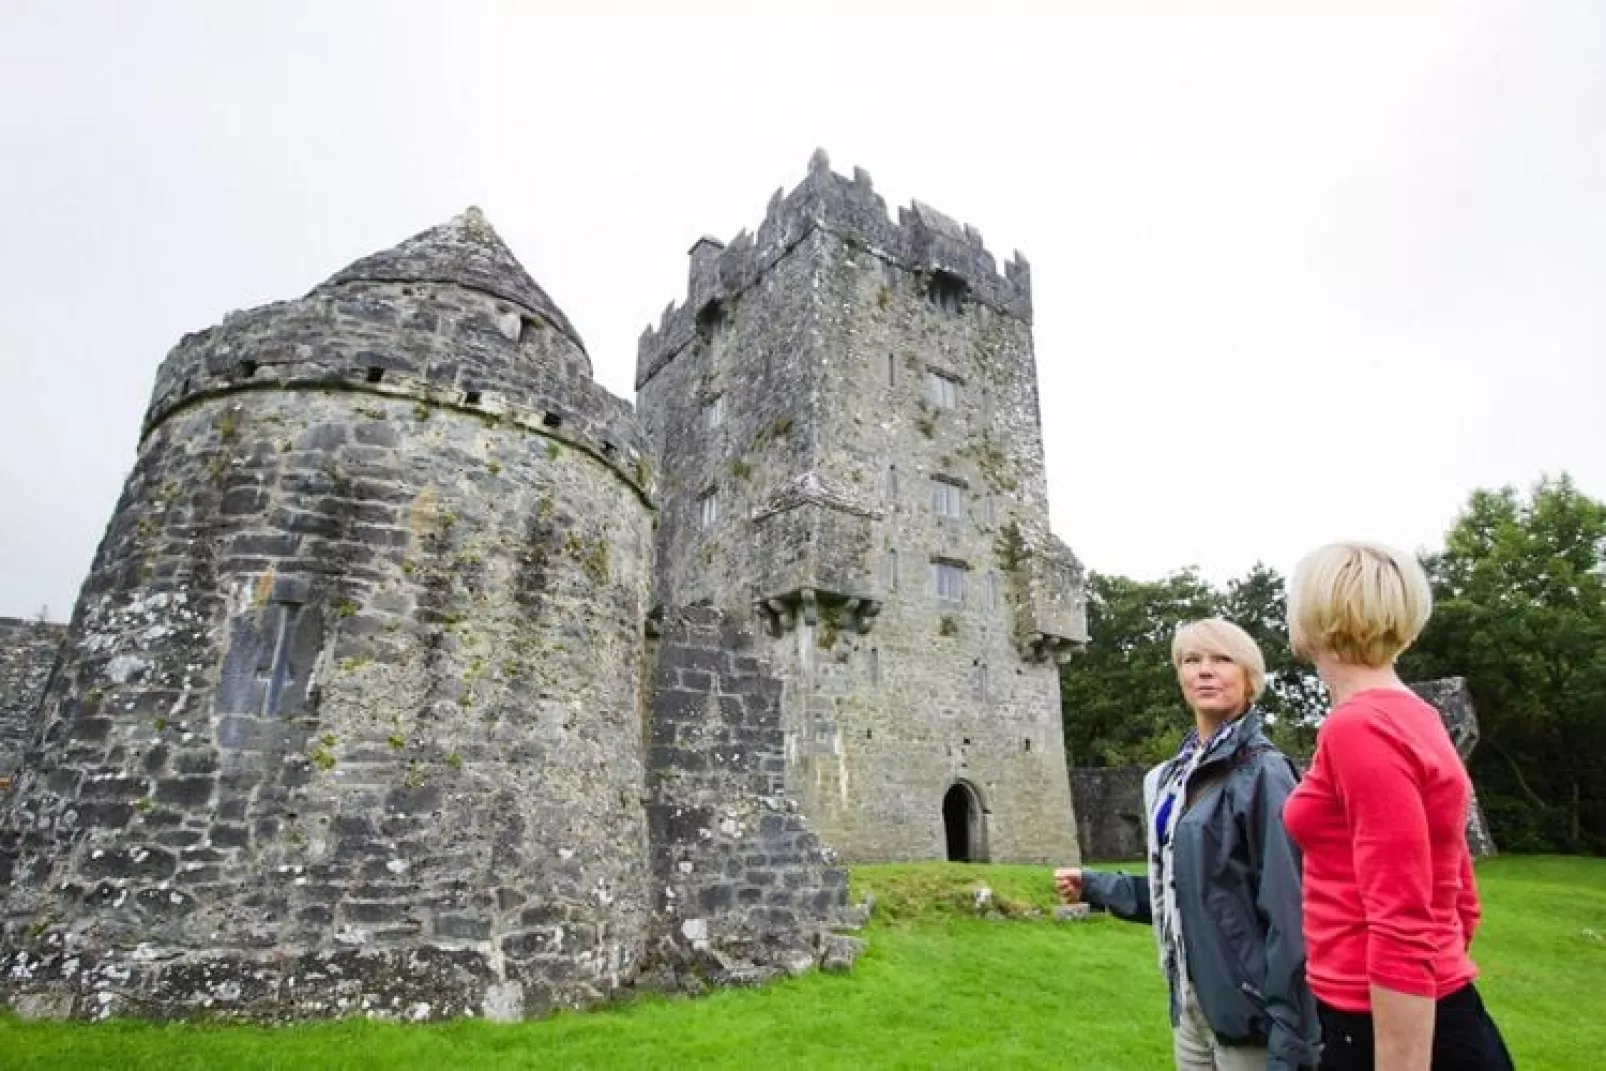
point(1109, 811)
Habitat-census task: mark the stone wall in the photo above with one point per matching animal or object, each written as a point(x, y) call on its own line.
point(793, 408)
point(349, 716)
point(744, 890)
point(1109, 811)
point(27, 653)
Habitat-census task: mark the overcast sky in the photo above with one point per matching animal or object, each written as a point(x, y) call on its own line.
point(1299, 274)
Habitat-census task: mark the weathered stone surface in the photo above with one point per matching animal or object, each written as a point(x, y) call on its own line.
point(827, 384)
point(467, 252)
point(27, 653)
point(360, 649)
point(1109, 811)
point(1449, 695)
point(356, 713)
point(742, 884)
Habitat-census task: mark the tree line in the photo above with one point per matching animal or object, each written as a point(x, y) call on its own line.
point(1519, 611)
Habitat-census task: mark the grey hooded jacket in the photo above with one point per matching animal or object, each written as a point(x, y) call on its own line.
point(1238, 895)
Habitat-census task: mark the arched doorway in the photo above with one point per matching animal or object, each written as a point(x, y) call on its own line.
point(963, 825)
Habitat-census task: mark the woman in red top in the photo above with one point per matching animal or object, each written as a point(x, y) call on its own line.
point(1389, 901)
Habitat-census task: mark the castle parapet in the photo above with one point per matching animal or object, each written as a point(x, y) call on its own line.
point(1051, 596)
point(814, 542)
point(920, 240)
point(447, 319)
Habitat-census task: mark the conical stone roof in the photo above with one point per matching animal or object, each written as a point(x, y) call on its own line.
point(465, 250)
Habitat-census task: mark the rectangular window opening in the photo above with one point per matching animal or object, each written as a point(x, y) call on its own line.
point(248, 369)
point(471, 397)
point(375, 375)
point(551, 420)
point(947, 498)
point(947, 292)
point(943, 389)
point(948, 580)
point(713, 412)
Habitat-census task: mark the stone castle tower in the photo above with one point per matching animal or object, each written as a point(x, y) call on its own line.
point(349, 716)
point(845, 416)
point(382, 695)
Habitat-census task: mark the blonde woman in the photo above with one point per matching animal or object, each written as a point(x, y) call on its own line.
point(1222, 889)
point(1389, 901)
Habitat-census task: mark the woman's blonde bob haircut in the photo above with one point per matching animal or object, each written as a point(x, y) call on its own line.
point(1361, 603)
point(1218, 636)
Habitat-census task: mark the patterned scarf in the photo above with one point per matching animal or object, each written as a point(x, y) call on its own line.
point(1169, 803)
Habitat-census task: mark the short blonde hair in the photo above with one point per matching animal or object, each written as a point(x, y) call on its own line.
point(1217, 635)
point(1362, 603)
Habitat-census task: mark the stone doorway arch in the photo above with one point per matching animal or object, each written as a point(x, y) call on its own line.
point(964, 824)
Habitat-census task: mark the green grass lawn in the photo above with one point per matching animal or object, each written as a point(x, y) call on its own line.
point(938, 988)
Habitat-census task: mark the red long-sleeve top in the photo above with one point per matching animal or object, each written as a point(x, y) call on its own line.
point(1380, 820)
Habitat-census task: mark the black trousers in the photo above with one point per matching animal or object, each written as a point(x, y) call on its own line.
point(1464, 1037)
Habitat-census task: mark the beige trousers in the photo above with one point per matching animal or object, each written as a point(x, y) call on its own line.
point(1197, 1049)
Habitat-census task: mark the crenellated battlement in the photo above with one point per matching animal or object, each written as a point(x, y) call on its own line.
point(921, 239)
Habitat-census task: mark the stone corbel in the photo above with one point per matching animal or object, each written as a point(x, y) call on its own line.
point(778, 615)
point(1040, 647)
point(782, 613)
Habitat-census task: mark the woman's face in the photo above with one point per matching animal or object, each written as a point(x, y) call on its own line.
point(1213, 684)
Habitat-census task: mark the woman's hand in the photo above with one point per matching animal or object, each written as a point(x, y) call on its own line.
point(1068, 880)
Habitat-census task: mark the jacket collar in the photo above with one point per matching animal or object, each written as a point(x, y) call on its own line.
point(1246, 729)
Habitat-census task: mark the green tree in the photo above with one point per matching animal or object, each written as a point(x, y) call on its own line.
point(1520, 594)
point(1119, 699)
point(1295, 699)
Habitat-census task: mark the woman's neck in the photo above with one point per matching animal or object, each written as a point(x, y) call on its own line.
point(1344, 680)
point(1207, 722)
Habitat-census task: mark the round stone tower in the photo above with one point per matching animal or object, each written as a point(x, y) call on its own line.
point(347, 719)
